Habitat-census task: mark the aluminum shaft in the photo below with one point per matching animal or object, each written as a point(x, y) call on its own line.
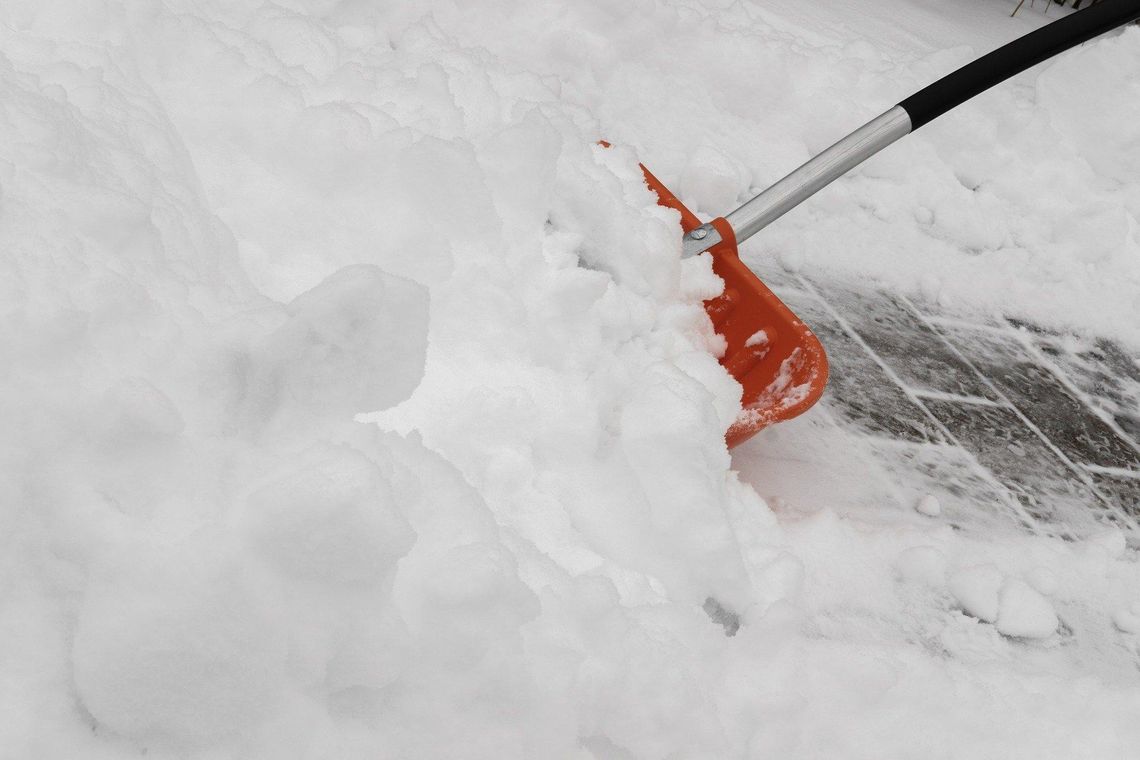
point(806, 181)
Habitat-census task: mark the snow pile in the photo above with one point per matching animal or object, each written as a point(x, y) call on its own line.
point(230, 228)
point(205, 552)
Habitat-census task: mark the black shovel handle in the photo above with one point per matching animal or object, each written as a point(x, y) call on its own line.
point(954, 89)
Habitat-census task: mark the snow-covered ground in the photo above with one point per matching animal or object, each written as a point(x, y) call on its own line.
point(355, 403)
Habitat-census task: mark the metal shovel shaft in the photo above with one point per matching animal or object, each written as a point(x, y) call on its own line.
point(819, 172)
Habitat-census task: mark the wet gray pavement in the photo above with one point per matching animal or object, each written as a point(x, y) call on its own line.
point(990, 415)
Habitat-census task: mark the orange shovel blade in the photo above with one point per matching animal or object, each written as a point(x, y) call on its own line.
point(777, 360)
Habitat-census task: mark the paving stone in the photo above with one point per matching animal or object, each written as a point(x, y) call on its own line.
point(1122, 492)
point(941, 314)
point(1028, 327)
point(921, 358)
point(859, 391)
point(1038, 394)
point(1017, 457)
point(1082, 399)
point(1105, 373)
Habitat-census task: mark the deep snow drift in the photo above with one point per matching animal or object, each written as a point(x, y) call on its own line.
point(227, 229)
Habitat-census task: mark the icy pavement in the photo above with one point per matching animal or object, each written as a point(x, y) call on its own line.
point(995, 418)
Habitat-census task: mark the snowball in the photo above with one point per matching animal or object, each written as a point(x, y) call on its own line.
point(1025, 613)
point(1043, 580)
point(1127, 620)
point(976, 589)
point(929, 505)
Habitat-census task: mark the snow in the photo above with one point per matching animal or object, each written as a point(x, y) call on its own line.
point(1127, 620)
point(356, 403)
point(177, 643)
point(978, 590)
point(1044, 580)
point(922, 564)
point(929, 505)
point(1024, 612)
point(758, 338)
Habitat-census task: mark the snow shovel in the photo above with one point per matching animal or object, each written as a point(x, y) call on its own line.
point(779, 363)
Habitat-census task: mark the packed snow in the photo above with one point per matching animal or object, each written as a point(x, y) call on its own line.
point(356, 403)
point(929, 505)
